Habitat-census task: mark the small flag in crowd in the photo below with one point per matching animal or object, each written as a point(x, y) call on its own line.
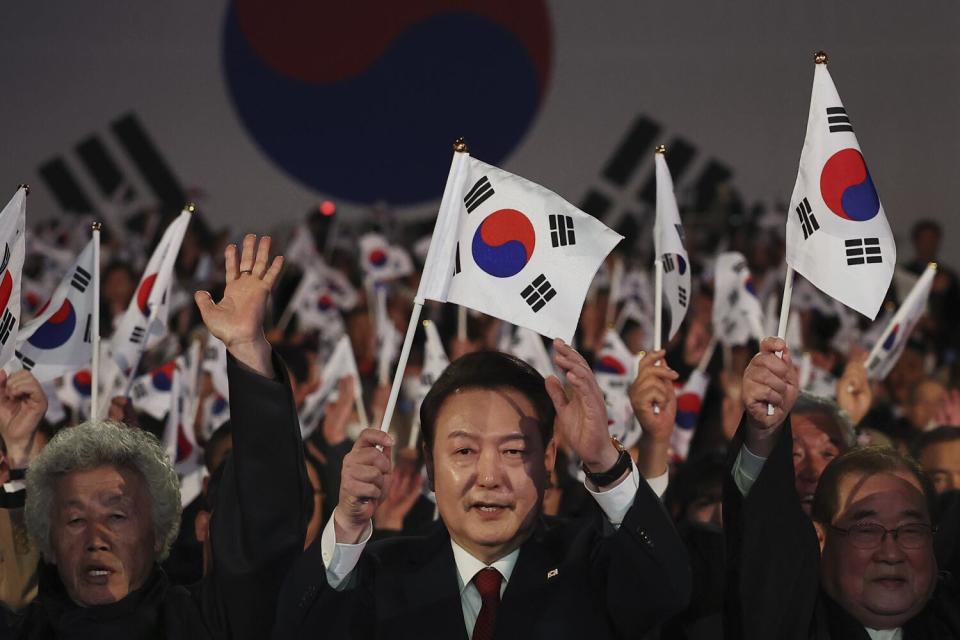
point(133, 336)
point(381, 261)
point(838, 237)
point(389, 338)
point(341, 363)
point(528, 346)
point(669, 249)
point(322, 294)
point(615, 369)
point(150, 393)
point(511, 249)
point(885, 353)
point(689, 402)
point(435, 360)
point(13, 248)
point(737, 316)
point(60, 338)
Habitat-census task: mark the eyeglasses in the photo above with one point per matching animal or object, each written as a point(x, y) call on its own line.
point(870, 536)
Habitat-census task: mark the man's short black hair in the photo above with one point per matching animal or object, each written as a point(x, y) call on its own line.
point(868, 460)
point(939, 435)
point(487, 370)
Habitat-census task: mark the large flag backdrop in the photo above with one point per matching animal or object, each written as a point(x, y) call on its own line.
point(202, 94)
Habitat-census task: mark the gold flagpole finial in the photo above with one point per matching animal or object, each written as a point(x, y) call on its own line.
point(934, 265)
point(24, 186)
point(95, 226)
point(426, 323)
point(192, 208)
point(460, 146)
point(661, 149)
point(820, 57)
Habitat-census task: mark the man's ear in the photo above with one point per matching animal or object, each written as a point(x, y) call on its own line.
point(550, 455)
point(821, 534)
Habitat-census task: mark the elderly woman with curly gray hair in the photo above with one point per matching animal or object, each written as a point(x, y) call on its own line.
point(103, 502)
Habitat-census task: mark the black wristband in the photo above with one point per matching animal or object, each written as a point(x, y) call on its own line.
point(611, 475)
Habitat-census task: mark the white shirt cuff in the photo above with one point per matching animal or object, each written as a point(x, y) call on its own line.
point(616, 501)
point(746, 469)
point(340, 559)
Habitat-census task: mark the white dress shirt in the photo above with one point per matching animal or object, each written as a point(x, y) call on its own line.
point(340, 559)
point(746, 470)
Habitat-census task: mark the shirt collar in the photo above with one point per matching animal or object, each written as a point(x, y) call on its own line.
point(884, 634)
point(468, 566)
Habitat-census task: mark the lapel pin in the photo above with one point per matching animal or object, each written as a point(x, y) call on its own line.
point(553, 573)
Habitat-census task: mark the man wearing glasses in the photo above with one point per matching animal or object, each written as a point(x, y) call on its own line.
point(862, 569)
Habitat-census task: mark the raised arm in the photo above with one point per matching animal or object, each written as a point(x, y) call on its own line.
point(260, 517)
point(653, 387)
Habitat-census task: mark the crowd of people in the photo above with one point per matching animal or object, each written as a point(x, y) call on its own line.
point(496, 504)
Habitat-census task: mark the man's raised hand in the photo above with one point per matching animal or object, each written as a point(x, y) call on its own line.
point(653, 387)
point(362, 484)
point(768, 380)
point(22, 406)
point(237, 320)
point(581, 418)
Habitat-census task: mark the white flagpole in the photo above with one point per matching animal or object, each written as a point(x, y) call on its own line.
point(95, 320)
point(414, 435)
point(657, 312)
point(358, 400)
point(784, 314)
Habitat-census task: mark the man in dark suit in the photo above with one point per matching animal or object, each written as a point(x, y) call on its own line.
point(864, 568)
point(496, 569)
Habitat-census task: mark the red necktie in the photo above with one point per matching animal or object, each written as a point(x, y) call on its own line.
point(487, 582)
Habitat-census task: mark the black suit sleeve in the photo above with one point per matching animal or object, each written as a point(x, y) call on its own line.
point(260, 518)
point(646, 566)
point(772, 550)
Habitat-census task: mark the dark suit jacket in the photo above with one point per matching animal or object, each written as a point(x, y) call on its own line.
point(609, 584)
point(773, 565)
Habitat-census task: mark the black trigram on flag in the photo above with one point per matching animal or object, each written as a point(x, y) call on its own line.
point(138, 391)
point(808, 221)
point(479, 194)
point(682, 234)
point(668, 263)
point(27, 363)
point(838, 120)
point(682, 296)
point(538, 293)
point(136, 336)
point(561, 230)
point(7, 323)
point(863, 250)
point(456, 261)
point(86, 332)
point(80, 280)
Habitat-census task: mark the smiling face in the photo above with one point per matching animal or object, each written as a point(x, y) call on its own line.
point(886, 586)
point(102, 534)
point(490, 469)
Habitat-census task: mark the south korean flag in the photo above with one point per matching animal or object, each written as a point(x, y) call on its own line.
point(509, 248)
point(615, 368)
point(60, 339)
point(669, 249)
point(13, 246)
point(838, 237)
point(888, 349)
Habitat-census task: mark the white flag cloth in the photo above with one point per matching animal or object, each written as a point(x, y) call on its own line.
point(179, 436)
point(340, 364)
point(133, 336)
point(737, 315)
point(689, 402)
point(12, 237)
point(889, 347)
point(511, 249)
point(615, 368)
point(435, 360)
point(528, 346)
point(215, 363)
point(668, 246)
point(381, 260)
point(60, 338)
point(75, 391)
point(837, 233)
point(389, 338)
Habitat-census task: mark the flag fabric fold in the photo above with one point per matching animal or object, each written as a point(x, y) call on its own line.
point(12, 236)
point(887, 350)
point(737, 315)
point(838, 237)
point(669, 249)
